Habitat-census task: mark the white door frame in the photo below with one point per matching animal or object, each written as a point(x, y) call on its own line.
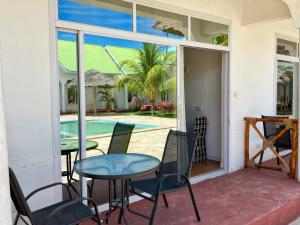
point(56, 25)
point(82, 29)
point(225, 109)
point(181, 123)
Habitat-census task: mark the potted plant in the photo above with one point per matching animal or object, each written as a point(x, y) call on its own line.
point(106, 97)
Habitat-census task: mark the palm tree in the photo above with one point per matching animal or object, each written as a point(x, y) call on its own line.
point(148, 75)
point(106, 97)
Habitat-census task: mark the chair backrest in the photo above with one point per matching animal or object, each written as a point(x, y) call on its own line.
point(17, 195)
point(177, 157)
point(272, 129)
point(120, 138)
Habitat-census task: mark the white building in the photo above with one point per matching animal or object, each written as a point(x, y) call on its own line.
point(28, 63)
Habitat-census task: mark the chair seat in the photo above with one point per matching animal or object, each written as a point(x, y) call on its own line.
point(150, 185)
point(69, 215)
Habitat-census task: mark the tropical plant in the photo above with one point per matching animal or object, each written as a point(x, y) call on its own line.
point(106, 97)
point(149, 75)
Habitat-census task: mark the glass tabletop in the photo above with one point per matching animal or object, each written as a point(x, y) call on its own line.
point(116, 166)
point(69, 145)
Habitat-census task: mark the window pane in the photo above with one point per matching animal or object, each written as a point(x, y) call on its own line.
point(209, 32)
point(287, 88)
point(285, 47)
point(105, 13)
point(161, 23)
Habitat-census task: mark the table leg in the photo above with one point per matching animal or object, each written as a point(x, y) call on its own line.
point(76, 157)
point(109, 202)
point(114, 203)
point(68, 167)
point(124, 184)
point(69, 171)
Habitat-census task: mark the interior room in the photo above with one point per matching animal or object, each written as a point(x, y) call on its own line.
point(203, 106)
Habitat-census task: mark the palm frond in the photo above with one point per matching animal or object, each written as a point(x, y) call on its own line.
point(169, 84)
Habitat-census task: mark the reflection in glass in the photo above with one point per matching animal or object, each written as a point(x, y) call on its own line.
point(125, 81)
point(68, 98)
point(209, 32)
point(161, 23)
point(287, 88)
point(133, 83)
point(285, 47)
point(104, 13)
point(68, 73)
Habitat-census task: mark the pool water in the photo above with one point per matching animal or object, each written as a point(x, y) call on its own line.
point(69, 129)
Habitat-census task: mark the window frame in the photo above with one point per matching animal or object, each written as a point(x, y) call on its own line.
point(148, 37)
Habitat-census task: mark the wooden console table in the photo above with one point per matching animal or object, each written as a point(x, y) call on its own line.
point(290, 124)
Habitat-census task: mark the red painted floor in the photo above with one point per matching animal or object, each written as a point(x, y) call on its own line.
point(252, 197)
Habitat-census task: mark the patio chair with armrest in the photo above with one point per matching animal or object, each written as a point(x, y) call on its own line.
point(67, 212)
point(172, 175)
point(118, 144)
point(271, 129)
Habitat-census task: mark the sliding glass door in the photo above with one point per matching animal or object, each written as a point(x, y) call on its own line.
point(129, 82)
point(123, 81)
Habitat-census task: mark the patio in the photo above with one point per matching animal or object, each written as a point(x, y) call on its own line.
point(249, 196)
point(251, 46)
point(141, 140)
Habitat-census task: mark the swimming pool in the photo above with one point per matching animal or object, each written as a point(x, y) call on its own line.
point(69, 129)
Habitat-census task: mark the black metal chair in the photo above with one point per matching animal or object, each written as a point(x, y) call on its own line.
point(118, 144)
point(120, 138)
point(67, 212)
point(172, 175)
point(271, 129)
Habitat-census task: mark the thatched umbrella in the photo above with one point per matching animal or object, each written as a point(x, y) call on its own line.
point(94, 78)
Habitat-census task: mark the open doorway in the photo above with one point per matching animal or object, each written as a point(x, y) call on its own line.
point(203, 84)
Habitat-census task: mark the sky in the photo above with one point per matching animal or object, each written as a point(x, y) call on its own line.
point(69, 10)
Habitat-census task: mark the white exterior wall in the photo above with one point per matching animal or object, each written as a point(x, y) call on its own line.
point(252, 65)
point(5, 212)
point(25, 57)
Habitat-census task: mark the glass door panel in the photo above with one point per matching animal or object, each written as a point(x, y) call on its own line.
point(287, 88)
point(68, 99)
point(128, 82)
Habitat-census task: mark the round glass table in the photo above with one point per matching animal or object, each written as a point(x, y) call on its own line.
point(68, 146)
point(117, 166)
